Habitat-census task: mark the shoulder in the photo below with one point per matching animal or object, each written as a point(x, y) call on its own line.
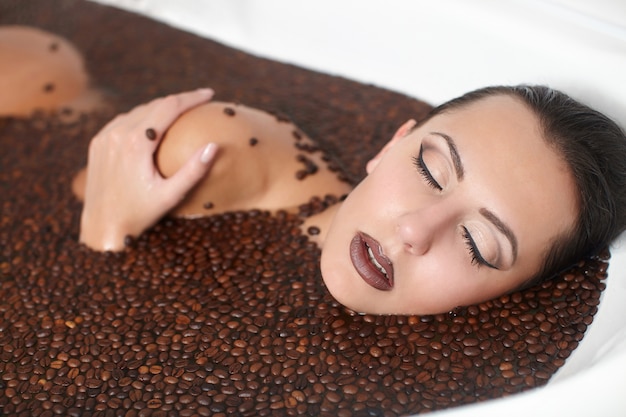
point(258, 162)
point(210, 122)
point(252, 145)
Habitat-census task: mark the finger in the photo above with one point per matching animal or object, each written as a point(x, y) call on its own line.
point(196, 168)
point(162, 112)
point(141, 129)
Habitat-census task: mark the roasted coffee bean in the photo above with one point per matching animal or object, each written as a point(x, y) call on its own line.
point(310, 167)
point(313, 230)
point(301, 174)
point(151, 133)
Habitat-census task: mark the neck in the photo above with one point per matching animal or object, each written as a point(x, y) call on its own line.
point(322, 221)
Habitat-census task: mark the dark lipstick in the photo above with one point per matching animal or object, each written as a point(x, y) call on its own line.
point(370, 262)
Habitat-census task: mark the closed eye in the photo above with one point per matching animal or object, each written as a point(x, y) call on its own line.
point(418, 161)
point(477, 258)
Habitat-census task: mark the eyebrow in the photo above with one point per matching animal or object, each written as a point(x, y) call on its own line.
point(454, 153)
point(502, 227)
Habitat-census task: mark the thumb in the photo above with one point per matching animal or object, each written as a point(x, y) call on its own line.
point(177, 186)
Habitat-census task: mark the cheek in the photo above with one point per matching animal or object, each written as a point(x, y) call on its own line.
point(438, 286)
point(382, 196)
point(444, 281)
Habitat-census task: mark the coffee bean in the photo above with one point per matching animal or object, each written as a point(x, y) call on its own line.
point(151, 133)
point(313, 230)
point(154, 403)
point(93, 383)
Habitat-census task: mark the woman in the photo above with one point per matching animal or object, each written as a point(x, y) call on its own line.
point(488, 194)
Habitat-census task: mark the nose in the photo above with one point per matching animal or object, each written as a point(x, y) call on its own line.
point(418, 230)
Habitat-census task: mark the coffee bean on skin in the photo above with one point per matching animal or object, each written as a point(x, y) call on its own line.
point(313, 230)
point(151, 133)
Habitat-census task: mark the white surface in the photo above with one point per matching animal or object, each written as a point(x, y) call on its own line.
point(434, 50)
point(437, 50)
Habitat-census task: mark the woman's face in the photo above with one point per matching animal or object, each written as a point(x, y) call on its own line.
point(455, 212)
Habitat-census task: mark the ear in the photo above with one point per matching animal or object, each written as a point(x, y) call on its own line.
point(404, 130)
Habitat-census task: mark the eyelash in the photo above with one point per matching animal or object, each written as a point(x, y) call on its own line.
point(418, 161)
point(477, 258)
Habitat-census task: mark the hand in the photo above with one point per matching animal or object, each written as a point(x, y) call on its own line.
point(125, 194)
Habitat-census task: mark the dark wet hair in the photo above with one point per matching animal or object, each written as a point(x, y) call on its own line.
point(594, 148)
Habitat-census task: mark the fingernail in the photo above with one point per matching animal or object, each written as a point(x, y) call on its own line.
point(207, 91)
point(208, 153)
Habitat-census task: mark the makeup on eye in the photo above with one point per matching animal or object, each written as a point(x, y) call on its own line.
point(475, 254)
point(419, 163)
point(435, 164)
point(449, 164)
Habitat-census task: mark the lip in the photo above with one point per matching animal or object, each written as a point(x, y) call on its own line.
point(360, 257)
